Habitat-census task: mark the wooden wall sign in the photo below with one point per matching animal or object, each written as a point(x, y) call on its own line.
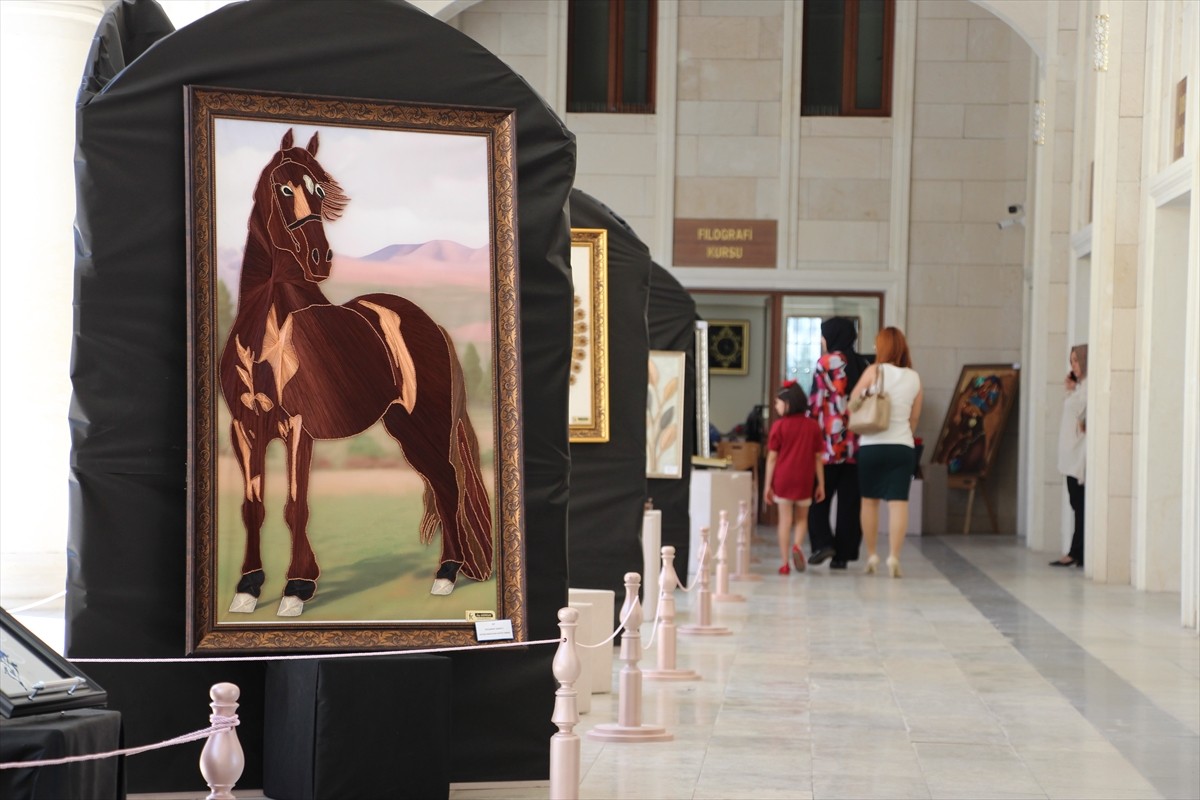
point(725, 243)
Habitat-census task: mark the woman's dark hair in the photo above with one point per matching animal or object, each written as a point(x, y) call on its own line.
point(794, 398)
point(839, 335)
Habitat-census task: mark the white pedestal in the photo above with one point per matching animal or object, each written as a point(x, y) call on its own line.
point(597, 627)
point(712, 491)
point(651, 563)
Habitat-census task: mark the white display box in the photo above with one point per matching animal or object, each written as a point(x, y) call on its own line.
point(713, 491)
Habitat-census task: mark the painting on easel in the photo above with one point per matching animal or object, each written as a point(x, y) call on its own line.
point(973, 428)
point(975, 420)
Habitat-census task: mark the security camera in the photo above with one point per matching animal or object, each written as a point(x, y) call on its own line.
point(1017, 209)
point(1008, 223)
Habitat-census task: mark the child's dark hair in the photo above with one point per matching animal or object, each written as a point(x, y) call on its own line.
point(793, 397)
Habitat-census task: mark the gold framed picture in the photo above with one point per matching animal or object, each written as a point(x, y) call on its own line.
point(728, 346)
point(588, 394)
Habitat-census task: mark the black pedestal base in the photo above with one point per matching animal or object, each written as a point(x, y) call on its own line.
point(358, 728)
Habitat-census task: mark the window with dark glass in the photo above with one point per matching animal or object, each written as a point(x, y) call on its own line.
point(847, 58)
point(610, 56)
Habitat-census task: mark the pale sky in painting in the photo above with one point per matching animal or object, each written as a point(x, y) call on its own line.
point(404, 187)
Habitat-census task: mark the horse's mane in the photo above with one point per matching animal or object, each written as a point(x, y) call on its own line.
point(335, 201)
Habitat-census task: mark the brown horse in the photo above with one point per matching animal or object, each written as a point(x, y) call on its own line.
point(299, 369)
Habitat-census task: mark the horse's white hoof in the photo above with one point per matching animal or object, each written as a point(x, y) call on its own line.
point(290, 607)
point(441, 586)
point(243, 603)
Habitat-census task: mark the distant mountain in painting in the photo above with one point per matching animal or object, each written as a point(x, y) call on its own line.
point(447, 273)
point(437, 262)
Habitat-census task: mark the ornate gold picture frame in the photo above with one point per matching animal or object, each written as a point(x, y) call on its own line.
point(588, 396)
point(355, 420)
point(728, 346)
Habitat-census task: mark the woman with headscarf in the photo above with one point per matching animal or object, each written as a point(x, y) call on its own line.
point(835, 375)
point(1072, 449)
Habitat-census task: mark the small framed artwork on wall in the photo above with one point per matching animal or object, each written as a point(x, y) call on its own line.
point(664, 414)
point(728, 346)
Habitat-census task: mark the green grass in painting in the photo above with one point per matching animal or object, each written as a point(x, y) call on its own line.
point(373, 565)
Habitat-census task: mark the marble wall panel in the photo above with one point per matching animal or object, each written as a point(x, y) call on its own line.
point(740, 80)
point(938, 120)
point(523, 34)
point(942, 39)
point(931, 285)
point(822, 157)
point(718, 37)
point(936, 201)
point(847, 199)
point(716, 198)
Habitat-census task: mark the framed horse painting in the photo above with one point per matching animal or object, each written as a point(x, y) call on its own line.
point(354, 454)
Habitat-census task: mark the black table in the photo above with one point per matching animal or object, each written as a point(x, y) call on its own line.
point(65, 733)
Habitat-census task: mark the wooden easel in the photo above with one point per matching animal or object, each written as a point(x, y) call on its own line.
point(970, 483)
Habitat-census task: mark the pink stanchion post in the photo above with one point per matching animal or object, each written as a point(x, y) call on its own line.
point(742, 569)
point(666, 670)
point(222, 760)
point(723, 594)
point(629, 726)
point(704, 600)
point(565, 745)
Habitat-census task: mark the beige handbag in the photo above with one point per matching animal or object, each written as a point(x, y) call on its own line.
point(873, 413)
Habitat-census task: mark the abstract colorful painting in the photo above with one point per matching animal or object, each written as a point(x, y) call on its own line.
point(975, 420)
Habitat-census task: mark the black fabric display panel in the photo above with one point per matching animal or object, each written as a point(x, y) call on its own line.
point(672, 323)
point(127, 537)
point(608, 479)
point(66, 733)
point(318, 745)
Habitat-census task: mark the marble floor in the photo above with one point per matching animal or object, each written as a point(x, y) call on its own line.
point(982, 673)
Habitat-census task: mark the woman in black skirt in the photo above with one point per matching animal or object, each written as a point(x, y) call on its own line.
point(885, 459)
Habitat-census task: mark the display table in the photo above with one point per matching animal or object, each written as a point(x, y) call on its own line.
point(65, 733)
point(358, 728)
point(714, 491)
point(596, 625)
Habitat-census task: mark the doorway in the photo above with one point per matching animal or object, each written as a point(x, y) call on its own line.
point(782, 342)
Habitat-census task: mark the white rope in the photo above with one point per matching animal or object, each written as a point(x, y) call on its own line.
point(310, 656)
point(37, 603)
point(612, 636)
point(700, 566)
point(654, 629)
point(219, 723)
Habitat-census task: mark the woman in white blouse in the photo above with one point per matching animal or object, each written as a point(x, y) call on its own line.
point(886, 460)
point(1072, 449)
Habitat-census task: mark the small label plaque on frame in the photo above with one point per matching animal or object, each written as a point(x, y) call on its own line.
point(495, 630)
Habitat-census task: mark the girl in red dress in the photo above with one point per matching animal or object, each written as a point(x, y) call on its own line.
point(794, 464)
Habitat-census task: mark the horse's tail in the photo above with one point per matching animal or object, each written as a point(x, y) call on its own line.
point(474, 514)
